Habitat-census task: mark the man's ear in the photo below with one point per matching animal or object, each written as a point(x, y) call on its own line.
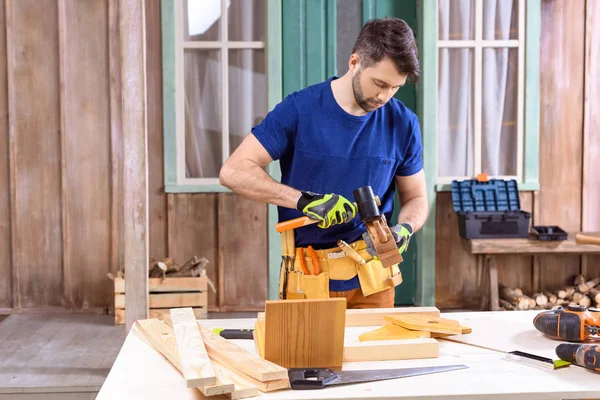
point(354, 63)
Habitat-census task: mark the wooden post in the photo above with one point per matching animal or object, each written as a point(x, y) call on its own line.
point(133, 106)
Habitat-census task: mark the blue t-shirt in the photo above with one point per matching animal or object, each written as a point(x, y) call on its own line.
point(323, 149)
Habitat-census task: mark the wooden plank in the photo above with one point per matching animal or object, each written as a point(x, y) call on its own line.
point(85, 141)
point(162, 337)
point(425, 323)
point(305, 333)
point(242, 388)
point(184, 284)
point(229, 353)
point(199, 312)
point(192, 231)
point(561, 127)
point(167, 300)
point(386, 350)
point(456, 269)
point(133, 90)
point(590, 213)
point(196, 367)
point(243, 250)
point(34, 99)
point(259, 337)
point(117, 249)
point(531, 246)
point(157, 200)
point(5, 206)
point(375, 316)
point(392, 332)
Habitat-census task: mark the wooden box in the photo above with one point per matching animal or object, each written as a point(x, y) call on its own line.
point(166, 294)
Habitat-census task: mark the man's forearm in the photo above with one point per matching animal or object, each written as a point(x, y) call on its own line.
point(249, 180)
point(414, 212)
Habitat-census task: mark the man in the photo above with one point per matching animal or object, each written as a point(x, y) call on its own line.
point(332, 138)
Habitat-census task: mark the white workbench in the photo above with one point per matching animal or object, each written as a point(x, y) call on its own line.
point(140, 372)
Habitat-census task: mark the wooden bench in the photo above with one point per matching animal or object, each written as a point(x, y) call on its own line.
point(486, 249)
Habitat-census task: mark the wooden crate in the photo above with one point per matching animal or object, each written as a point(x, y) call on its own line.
point(166, 294)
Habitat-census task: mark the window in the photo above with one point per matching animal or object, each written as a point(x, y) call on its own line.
point(481, 89)
point(219, 85)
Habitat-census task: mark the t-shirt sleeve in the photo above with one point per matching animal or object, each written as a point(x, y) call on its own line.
point(278, 130)
point(413, 158)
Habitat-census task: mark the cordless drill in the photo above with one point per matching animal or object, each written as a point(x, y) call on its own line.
point(573, 324)
point(584, 355)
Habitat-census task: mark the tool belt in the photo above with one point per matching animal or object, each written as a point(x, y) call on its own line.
point(305, 272)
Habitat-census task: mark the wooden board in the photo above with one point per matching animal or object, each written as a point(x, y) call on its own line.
point(392, 332)
point(530, 246)
point(168, 300)
point(375, 316)
point(199, 312)
point(157, 198)
point(196, 366)
point(385, 350)
point(561, 130)
point(185, 284)
point(6, 298)
point(590, 213)
point(425, 323)
point(86, 148)
point(226, 352)
point(305, 333)
point(162, 338)
point(242, 250)
point(192, 231)
point(34, 109)
point(456, 272)
point(117, 250)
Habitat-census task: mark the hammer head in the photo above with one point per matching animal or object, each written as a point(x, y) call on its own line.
point(366, 202)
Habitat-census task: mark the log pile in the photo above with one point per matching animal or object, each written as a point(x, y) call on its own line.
point(583, 291)
point(167, 268)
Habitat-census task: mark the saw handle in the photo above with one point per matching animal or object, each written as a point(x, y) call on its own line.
point(585, 239)
point(310, 378)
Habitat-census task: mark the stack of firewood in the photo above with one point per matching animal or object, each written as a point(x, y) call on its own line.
point(167, 268)
point(584, 292)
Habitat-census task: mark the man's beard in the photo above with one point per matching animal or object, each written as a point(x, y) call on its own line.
point(359, 97)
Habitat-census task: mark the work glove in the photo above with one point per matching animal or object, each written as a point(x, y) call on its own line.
point(329, 209)
point(401, 233)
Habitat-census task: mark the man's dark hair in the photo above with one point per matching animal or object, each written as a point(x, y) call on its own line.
point(392, 38)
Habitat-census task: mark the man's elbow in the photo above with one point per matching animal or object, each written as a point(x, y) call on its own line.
point(226, 175)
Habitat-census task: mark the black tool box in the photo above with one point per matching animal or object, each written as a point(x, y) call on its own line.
point(489, 209)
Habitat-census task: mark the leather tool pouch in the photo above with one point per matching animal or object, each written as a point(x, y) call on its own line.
point(374, 278)
point(311, 286)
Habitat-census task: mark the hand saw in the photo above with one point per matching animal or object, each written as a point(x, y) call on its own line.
point(319, 378)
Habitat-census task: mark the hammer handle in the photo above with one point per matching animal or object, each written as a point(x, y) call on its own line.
point(584, 239)
point(294, 223)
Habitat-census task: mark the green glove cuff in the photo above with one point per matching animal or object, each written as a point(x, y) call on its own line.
point(402, 233)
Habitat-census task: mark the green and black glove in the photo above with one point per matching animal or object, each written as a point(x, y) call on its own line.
point(329, 209)
point(401, 233)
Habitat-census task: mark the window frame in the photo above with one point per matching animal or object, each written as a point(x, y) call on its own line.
point(528, 93)
point(174, 46)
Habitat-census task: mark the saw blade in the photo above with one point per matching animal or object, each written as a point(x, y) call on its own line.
point(348, 377)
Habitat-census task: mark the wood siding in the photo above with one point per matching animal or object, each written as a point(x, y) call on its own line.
point(61, 178)
point(61, 174)
point(569, 150)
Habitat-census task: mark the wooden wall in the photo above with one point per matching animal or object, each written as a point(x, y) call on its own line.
point(569, 156)
point(61, 183)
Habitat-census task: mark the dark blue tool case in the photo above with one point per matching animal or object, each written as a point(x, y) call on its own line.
point(489, 209)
